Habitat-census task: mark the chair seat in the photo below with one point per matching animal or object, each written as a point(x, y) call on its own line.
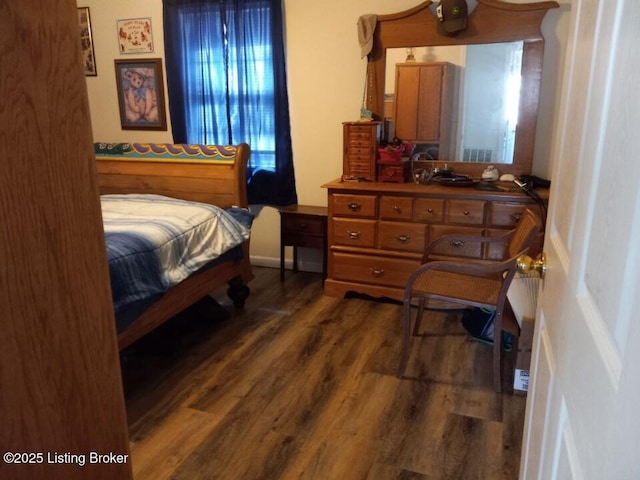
point(458, 287)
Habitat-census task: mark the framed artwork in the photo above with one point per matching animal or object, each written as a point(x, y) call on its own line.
point(141, 94)
point(86, 41)
point(135, 35)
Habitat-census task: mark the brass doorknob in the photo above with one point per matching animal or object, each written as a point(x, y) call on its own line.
point(526, 264)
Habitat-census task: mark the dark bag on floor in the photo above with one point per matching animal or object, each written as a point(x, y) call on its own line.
point(479, 323)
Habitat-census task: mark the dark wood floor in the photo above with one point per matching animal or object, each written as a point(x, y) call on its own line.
point(299, 385)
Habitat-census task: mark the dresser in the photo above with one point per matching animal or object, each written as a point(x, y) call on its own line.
point(377, 232)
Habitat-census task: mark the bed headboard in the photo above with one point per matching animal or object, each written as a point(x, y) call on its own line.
point(212, 174)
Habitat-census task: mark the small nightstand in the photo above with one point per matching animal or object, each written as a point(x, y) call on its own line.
point(303, 226)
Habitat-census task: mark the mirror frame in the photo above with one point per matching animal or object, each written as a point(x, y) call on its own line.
point(492, 21)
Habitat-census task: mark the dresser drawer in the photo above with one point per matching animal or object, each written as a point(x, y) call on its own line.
point(303, 240)
point(396, 208)
point(303, 225)
point(429, 210)
point(359, 150)
point(359, 169)
point(466, 212)
point(354, 205)
point(359, 133)
point(496, 250)
point(372, 269)
point(456, 248)
point(354, 232)
point(355, 143)
point(359, 160)
point(502, 214)
point(404, 236)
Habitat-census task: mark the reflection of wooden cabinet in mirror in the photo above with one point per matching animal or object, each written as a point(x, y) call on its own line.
point(423, 104)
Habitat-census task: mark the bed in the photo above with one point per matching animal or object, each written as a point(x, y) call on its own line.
point(173, 176)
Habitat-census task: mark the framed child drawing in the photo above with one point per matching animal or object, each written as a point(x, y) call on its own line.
point(135, 35)
point(141, 94)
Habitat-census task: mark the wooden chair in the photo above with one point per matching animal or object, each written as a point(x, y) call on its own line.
point(480, 283)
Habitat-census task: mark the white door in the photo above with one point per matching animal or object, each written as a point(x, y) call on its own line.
point(583, 407)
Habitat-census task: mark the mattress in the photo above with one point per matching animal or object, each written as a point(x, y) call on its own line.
point(155, 242)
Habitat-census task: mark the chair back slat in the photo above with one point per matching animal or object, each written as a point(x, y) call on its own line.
point(528, 226)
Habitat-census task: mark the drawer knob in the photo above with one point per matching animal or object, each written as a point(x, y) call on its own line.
point(466, 212)
point(396, 208)
point(515, 217)
point(354, 206)
point(376, 272)
point(302, 225)
point(354, 235)
point(430, 210)
point(456, 243)
point(403, 238)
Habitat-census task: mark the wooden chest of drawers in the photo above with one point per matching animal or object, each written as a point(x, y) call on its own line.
point(377, 232)
point(361, 142)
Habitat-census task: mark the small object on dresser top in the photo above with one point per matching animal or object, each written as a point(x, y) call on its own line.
point(446, 172)
point(390, 154)
point(507, 177)
point(456, 180)
point(490, 174)
point(394, 172)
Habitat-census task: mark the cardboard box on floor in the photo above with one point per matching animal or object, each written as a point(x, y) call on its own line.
point(523, 356)
point(523, 296)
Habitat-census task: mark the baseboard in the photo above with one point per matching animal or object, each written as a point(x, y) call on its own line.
point(270, 262)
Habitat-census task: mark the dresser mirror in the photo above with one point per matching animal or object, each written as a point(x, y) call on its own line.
point(486, 94)
point(496, 68)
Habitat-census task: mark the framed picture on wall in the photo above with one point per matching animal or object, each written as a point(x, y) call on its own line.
point(141, 94)
point(86, 41)
point(135, 35)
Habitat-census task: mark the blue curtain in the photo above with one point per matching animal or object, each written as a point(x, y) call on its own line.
point(226, 78)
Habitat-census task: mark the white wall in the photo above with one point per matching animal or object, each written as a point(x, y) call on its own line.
point(325, 78)
point(105, 118)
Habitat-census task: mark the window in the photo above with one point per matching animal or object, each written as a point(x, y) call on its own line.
point(227, 84)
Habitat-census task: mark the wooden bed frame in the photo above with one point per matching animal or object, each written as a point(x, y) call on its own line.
point(213, 182)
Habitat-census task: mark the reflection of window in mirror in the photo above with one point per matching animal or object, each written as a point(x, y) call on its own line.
point(486, 98)
point(491, 96)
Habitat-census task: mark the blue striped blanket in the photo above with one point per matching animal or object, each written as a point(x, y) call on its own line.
point(155, 242)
